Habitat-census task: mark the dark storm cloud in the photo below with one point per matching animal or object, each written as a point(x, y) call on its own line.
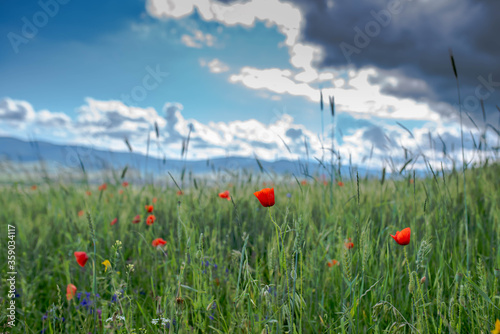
point(414, 37)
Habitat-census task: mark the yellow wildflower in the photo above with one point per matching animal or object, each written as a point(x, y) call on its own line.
point(107, 264)
point(497, 328)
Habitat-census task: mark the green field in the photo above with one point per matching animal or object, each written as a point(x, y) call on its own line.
point(228, 268)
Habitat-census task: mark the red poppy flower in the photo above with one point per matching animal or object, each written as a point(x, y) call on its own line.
point(340, 183)
point(265, 196)
point(158, 242)
point(137, 219)
point(349, 244)
point(81, 258)
point(88, 193)
point(120, 191)
point(149, 208)
point(102, 187)
point(81, 213)
point(125, 184)
point(150, 220)
point(303, 182)
point(33, 187)
point(155, 200)
point(403, 237)
point(225, 195)
point(332, 263)
point(70, 291)
point(325, 183)
point(114, 221)
point(180, 193)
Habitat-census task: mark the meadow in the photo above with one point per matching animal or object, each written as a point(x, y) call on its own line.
point(320, 260)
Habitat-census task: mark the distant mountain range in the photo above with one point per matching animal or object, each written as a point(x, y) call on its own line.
point(80, 157)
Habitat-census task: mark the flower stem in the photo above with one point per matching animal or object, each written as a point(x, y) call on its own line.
point(407, 263)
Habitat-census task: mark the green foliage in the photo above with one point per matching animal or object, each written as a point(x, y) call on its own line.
point(237, 267)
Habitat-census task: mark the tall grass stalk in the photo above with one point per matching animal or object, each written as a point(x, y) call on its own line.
point(463, 159)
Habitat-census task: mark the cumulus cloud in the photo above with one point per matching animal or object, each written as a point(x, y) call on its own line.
point(273, 12)
point(16, 112)
point(409, 41)
point(215, 65)
point(52, 119)
point(354, 95)
point(198, 39)
point(368, 142)
point(116, 120)
point(274, 80)
point(239, 138)
point(105, 124)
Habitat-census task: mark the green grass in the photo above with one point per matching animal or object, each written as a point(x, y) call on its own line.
point(226, 268)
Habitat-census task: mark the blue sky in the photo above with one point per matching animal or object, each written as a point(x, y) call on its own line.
point(245, 74)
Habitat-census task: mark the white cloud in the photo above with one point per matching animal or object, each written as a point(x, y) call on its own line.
point(362, 93)
point(105, 125)
point(198, 39)
point(114, 119)
point(272, 12)
point(52, 119)
point(285, 16)
point(16, 112)
point(273, 79)
point(356, 95)
point(215, 65)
